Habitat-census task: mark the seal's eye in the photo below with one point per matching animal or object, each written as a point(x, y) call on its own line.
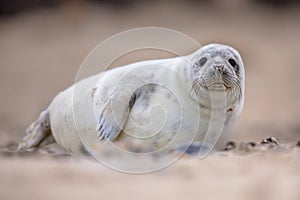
point(202, 61)
point(232, 62)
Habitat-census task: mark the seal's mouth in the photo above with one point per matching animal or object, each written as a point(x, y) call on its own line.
point(216, 86)
point(215, 80)
point(221, 86)
point(226, 83)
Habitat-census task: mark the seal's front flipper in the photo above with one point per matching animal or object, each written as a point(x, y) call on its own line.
point(114, 114)
point(196, 148)
point(108, 128)
point(38, 133)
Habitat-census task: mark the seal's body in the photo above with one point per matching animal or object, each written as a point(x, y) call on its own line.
point(159, 104)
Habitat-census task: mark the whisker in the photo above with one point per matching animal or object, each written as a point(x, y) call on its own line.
point(207, 80)
point(194, 87)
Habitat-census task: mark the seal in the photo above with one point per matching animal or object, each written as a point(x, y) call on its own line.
point(149, 105)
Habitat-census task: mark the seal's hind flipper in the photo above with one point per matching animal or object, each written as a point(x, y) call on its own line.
point(38, 133)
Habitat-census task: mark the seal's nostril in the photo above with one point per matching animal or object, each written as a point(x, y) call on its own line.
point(219, 68)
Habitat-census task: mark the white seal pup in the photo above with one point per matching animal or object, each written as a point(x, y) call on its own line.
point(158, 104)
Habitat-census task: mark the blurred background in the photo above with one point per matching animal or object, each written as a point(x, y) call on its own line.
point(43, 43)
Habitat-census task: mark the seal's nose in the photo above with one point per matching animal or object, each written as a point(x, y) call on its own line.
point(219, 68)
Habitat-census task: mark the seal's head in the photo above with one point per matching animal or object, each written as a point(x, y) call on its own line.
point(217, 67)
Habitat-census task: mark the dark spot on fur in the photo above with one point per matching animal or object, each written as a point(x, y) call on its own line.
point(132, 100)
point(151, 88)
point(229, 110)
point(152, 76)
point(175, 126)
point(155, 144)
point(169, 95)
point(84, 150)
point(93, 92)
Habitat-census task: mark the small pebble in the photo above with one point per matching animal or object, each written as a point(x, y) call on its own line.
point(270, 140)
point(230, 146)
point(251, 144)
